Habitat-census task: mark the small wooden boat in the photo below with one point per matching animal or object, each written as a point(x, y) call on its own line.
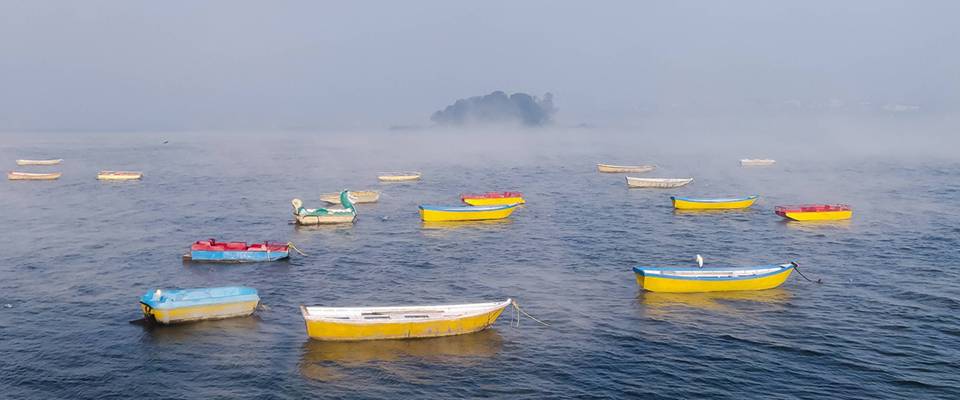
point(171, 306)
point(359, 196)
point(756, 162)
point(492, 198)
point(322, 216)
point(657, 183)
point(399, 176)
point(688, 280)
point(468, 213)
point(29, 176)
point(119, 175)
point(624, 168)
point(374, 323)
point(214, 251)
point(687, 203)
point(815, 212)
point(39, 162)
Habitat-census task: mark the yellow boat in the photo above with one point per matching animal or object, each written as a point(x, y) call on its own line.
point(493, 198)
point(29, 176)
point(374, 323)
point(815, 212)
point(624, 168)
point(119, 175)
point(171, 306)
point(468, 213)
point(399, 176)
point(358, 196)
point(687, 203)
point(689, 280)
point(40, 162)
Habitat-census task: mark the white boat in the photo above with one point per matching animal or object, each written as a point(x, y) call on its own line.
point(39, 162)
point(405, 322)
point(658, 183)
point(29, 176)
point(119, 175)
point(756, 162)
point(399, 176)
point(625, 168)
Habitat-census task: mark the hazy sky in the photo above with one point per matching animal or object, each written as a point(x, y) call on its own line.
point(160, 65)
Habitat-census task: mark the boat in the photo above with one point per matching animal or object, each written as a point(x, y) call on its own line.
point(119, 175)
point(492, 198)
point(688, 203)
point(375, 323)
point(657, 183)
point(321, 216)
point(39, 162)
point(171, 306)
point(399, 176)
point(359, 196)
point(756, 162)
point(694, 279)
point(815, 212)
point(624, 168)
point(29, 176)
point(212, 250)
point(467, 213)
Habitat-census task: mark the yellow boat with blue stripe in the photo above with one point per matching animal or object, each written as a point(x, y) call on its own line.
point(405, 322)
point(690, 280)
point(171, 306)
point(466, 213)
point(727, 203)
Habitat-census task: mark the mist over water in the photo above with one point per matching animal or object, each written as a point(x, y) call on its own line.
point(883, 324)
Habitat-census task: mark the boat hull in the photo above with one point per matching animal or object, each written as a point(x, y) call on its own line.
point(430, 215)
point(818, 216)
point(624, 168)
point(399, 177)
point(657, 183)
point(330, 219)
point(666, 284)
point(238, 256)
point(494, 201)
point(361, 197)
point(756, 163)
point(346, 331)
point(174, 306)
point(691, 204)
point(119, 176)
point(39, 162)
point(200, 312)
point(24, 176)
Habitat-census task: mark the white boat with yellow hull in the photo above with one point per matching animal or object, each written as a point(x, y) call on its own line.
point(757, 162)
point(375, 323)
point(359, 196)
point(119, 175)
point(399, 176)
point(609, 168)
point(29, 176)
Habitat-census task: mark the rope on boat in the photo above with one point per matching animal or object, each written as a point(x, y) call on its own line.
point(516, 307)
point(296, 249)
point(795, 268)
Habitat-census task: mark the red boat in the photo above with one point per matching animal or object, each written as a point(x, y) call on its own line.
point(492, 198)
point(212, 250)
point(815, 212)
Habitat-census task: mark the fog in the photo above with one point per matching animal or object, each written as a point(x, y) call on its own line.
point(240, 65)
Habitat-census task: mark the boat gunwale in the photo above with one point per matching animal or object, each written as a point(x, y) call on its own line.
point(799, 208)
point(780, 268)
point(487, 308)
point(714, 200)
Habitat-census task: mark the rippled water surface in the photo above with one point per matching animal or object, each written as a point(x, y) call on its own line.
point(78, 253)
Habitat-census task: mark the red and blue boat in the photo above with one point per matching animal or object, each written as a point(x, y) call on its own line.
point(214, 251)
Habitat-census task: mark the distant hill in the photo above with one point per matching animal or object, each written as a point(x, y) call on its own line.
point(498, 108)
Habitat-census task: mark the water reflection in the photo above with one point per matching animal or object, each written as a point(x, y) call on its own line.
point(814, 226)
point(199, 330)
point(327, 361)
point(667, 305)
point(455, 225)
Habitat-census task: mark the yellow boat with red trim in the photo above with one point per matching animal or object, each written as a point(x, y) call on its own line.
point(492, 198)
point(405, 322)
point(815, 212)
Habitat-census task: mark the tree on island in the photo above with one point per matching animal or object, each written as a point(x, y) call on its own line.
point(498, 108)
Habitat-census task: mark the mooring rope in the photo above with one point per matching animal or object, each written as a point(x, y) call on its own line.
point(795, 268)
point(520, 310)
point(296, 249)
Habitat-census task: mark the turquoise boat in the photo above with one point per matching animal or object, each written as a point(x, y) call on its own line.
point(171, 306)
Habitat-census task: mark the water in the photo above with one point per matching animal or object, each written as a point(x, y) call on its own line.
point(79, 252)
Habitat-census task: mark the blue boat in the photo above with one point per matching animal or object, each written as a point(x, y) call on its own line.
point(170, 306)
point(211, 250)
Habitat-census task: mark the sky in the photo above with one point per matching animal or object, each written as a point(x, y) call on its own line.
point(188, 65)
